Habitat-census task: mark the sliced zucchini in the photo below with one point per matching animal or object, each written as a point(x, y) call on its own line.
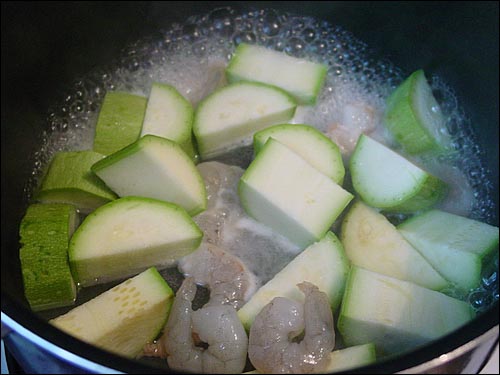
point(127, 236)
point(169, 115)
point(45, 232)
point(386, 180)
point(322, 263)
point(345, 359)
point(70, 180)
point(312, 145)
point(284, 192)
point(301, 78)
point(353, 356)
point(120, 121)
point(230, 116)
point(396, 315)
point(452, 244)
point(372, 242)
point(123, 319)
point(414, 117)
point(154, 167)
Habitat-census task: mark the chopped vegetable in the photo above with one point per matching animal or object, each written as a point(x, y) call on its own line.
point(45, 232)
point(230, 116)
point(372, 242)
point(70, 180)
point(302, 79)
point(127, 236)
point(387, 180)
point(345, 359)
point(169, 115)
point(120, 121)
point(154, 167)
point(322, 263)
point(123, 319)
point(283, 191)
point(396, 315)
point(353, 356)
point(453, 244)
point(414, 117)
point(311, 144)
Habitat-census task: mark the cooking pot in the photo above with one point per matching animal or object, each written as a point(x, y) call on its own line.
point(45, 46)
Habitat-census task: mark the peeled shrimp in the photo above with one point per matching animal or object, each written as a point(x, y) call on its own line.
point(208, 340)
point(227, 278)
point(273, 346)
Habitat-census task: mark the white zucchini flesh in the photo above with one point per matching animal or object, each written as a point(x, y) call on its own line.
point(283, 191)
point(348, 358)
point(323, 263)
point(414, 117)
point(454, 245)
point(312, 145)
point(230, 116)
point(385, 179)
point(127, 236)
point(124, 318)
point(154, 167)
point(345, 359)
point(372, 242)
point(396, 315)
point(169, 115)
point(301, 78)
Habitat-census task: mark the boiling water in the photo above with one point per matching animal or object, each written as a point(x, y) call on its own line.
point(192, 57)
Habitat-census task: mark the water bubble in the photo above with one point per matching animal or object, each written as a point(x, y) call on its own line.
point(244, 37)
point(190, 32)
point(318, 46)
point(295, 47)
point(270, 24)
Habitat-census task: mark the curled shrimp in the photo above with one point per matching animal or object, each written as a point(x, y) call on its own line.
point(227, 278)
point(208, 340)
point(275, 343)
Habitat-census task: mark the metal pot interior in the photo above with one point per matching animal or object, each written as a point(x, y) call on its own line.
point(46, 48)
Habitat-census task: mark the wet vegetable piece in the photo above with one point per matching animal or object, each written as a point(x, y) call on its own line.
point(372, 242)
point(120, 121)
point(396, 315)
point(414, 117)
point(154, 167)
point(229, 117)
point(311, 144)
point(323, 264)
point(283, 191)
point(387, 180)
point(45, 232)
point(123, 319)
point(453, 245)
point(169, 115)
point(301, 78)
point(70, 180)
point(129, 235)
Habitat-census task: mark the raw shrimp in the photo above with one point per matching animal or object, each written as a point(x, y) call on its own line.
point(208, 340)
point(273, 346)
point(227, 278)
